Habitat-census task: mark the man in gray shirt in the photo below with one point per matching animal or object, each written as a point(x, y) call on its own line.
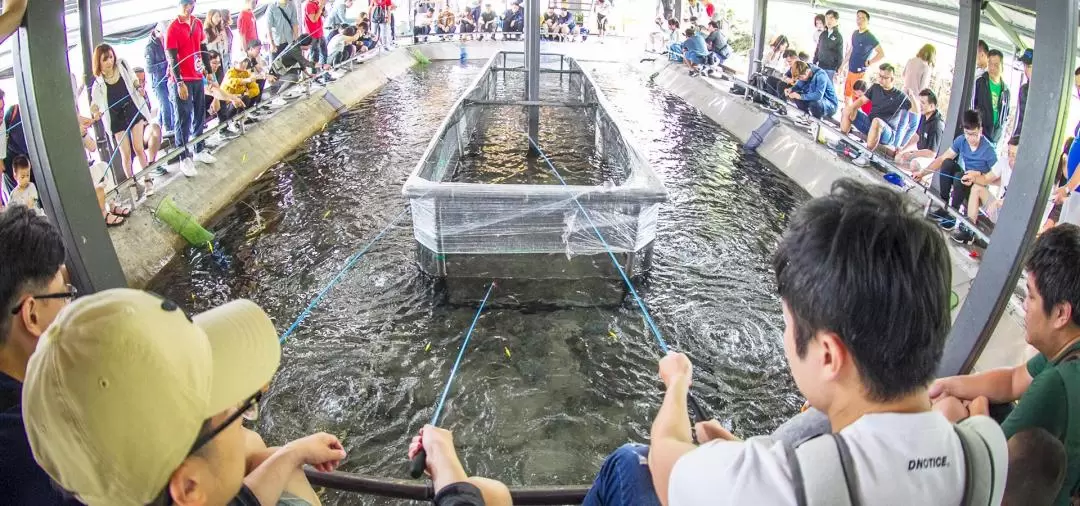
point(284, 26)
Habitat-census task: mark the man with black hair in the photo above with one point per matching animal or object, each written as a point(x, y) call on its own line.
point(880, 125)
point(488, 21)
point(864, 52)
point(992, 98)
point(830, 46)
point(924, 144)
point(1037, 464)
point(979, 191)
point(1027, 59)
point(717, 43)
point(1043, 385)
point(977, 154)
point(32, 293)
point(862, 348)
point(284, 25)
point(982, 58)
point(184, 43)
point(514, 20)
point(813, 93)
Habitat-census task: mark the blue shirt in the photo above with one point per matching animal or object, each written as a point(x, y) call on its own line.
point(982, 159)
point(22, 481)
point(695, 44)
point(862, 46)
point(819, 87)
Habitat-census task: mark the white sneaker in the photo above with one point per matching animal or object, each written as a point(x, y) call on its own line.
point(204, 157)
point(187, 167)
point(803, 120)
point(861, 161)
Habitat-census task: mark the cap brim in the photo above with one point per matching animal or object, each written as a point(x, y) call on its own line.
point(246, 352)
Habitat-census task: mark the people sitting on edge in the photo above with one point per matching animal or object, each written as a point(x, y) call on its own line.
point(861, 350)
point(292, 61)
point(880, 125)
point(859, 90)
point(25, 193)
point(1042, 385)
point(466, 23)
point(991, 98)
point(194, 380)
point(813, 93)
point(452, 486)
point(674, 44)
point(863, 53)
point(719, 49)
point(152, 133)
point(488, 21)
point(567, 25)
point(979, 195)
point(446, 24)
point(340, 47)
point(1037, 463)
point(514, 20)
point(777, 48)
point(977, 154)
point(367, 41)
point(32, 292)
point(922, 148)
point(694, 52)
point(422, 25)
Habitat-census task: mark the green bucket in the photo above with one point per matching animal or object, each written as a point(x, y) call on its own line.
point(183, 223)
point(419, 57)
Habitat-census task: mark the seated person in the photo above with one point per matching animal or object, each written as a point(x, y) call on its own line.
point(423, 24)
point(880, 125)
point(674, 41)
point(25, 193)
point(1037, 463)
point(976, 154)
point(367, 41)
point(446, 23)
point(340, 47)
point(514, 20)
point(717, 43)
point(814, 92)
point(694, 52)
point(292, 61)
point(152, 133)
point(239, 81)
point(867, 373)
point(488, 21)
point(185, 395)
point(567, 28)
point(466, 23)
point(923, 146)
point(1041, 386)
point(549, 25)
point(448, 476)
point(980, 196)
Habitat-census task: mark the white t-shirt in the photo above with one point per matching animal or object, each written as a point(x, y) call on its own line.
point(1002, 170)
point(336, 44)
point(898, 458)
point(24, 196)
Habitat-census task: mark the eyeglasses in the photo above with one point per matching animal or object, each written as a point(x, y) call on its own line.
point(248, 405)
point(71, 293)
point(882, 77)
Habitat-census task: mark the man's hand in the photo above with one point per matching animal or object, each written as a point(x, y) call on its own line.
point(442, 463)
point(969, 177)
point(674, 367)
point(939, 388)
point(236, 102)
point(712, 430)
point(979, 406)
point(1061, 194)
point(321, 450)
point(918, 174)
point(182, 91)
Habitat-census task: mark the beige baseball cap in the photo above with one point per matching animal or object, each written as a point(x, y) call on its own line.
point(121, 383)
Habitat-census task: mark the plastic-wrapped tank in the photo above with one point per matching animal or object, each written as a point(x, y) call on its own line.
point(487, 197)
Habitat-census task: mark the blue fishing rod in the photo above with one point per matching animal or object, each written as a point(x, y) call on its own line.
point(699, 413)
point(419, 462)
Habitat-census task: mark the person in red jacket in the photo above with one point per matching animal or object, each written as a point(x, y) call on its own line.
point(313, 22)
point(245, 24)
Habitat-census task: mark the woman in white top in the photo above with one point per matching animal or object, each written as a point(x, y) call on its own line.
point(215, 34)
point(917, 73)
point(116, 101)
point(603, 10)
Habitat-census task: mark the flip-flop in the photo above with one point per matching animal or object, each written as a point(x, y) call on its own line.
point(115, 222)
point(121, 211)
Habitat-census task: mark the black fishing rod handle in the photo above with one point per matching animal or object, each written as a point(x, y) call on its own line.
point(699, 413)
point(418, 463)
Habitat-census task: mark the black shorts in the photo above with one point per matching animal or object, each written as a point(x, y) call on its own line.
point(125, 117)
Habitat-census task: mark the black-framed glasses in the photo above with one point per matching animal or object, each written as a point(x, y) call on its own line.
point(70, 294)
point(247, 406)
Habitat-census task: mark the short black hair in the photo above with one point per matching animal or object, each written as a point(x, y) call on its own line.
point(804, 56)
point(971, 120)
point(20, 162)
point(997, 53)
point(1014, 140)
point(32, 253)
point(862, 263)
point(1075, 73)
point(864, 12)
point(1053, 264)
point(349, 31)
point(833, 14)
point(859, 85)
point(1037, 464)
point(983, 46)
point(930, 96)
point(714, 25)
point(673, 22)
point(819, 17)
point(887, 67)
point(791, 53)
point(690, 32)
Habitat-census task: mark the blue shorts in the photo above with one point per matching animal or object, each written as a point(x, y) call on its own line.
point(862, 123)
point(695, 58)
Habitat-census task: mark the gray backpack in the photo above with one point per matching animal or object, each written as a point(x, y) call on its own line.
point(824, 473)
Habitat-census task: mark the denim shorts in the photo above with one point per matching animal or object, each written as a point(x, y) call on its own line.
point(862, 123)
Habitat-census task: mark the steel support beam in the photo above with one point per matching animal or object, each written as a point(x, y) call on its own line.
point(993, 13)
point(52, 136)
point(532, 65)
point(1029, 190)
point(967, 45)
point(757, 50)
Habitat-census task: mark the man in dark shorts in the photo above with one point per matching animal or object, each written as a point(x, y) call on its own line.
point(880, 125)
point(924, 144)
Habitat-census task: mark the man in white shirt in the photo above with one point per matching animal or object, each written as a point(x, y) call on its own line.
point(864, 286)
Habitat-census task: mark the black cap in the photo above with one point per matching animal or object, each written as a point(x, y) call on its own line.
point(1028, 56)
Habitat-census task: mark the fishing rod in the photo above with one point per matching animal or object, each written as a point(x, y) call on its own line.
point(699, 413)
point(419, 461)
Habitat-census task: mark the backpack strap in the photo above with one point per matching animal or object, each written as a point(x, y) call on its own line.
point(980, 470)
point(848, 465)
point(822, 464)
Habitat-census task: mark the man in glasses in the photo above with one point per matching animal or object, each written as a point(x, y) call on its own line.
point(880, 125)
point(32, 292)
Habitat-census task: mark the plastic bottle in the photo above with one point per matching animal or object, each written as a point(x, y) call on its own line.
point(464, 55)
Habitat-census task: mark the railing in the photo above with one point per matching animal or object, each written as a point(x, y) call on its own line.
point(411, 490)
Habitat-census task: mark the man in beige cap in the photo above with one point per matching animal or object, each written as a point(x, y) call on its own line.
point(128, 401)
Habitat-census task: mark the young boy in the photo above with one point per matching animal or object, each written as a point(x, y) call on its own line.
point(1037, 463)
point(26, 192)
point(693, 51)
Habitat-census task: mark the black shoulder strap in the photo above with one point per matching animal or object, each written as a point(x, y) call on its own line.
point(285, 15)
point(796, 475)
point(848, 464)
point(969, 480)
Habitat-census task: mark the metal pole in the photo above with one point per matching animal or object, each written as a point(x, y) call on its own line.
point(758, 49)
point(967, 44)
point(1029, 190)
point(532, 66)
point(52, 136)
point(89, 37)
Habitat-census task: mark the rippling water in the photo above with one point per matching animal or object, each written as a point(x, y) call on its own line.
point(542, 395)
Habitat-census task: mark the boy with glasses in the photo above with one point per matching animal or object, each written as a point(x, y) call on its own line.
point(32, 293)
point(131, 402)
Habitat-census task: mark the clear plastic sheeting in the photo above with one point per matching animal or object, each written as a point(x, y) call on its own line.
point(467, 195)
